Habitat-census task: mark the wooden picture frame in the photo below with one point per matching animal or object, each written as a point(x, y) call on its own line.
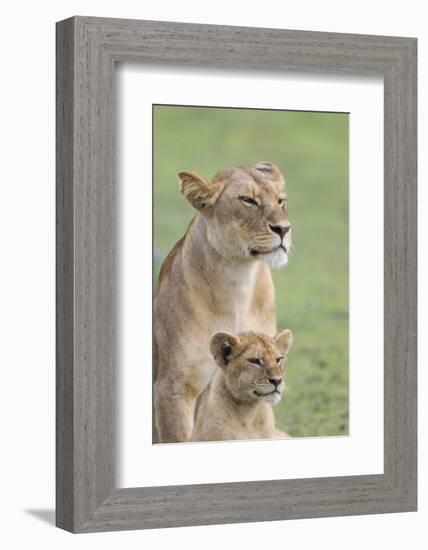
point(87, 50)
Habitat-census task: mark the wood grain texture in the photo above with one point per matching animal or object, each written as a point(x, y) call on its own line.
point(64, 277)
point(87, 50)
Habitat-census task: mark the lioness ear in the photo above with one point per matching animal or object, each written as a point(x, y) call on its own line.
point(198, 191)
point(222, 346)
point(269, 169)
point(284, 341)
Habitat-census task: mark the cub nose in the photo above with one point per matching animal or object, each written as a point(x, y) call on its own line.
point(280, 230)
point(275, 381)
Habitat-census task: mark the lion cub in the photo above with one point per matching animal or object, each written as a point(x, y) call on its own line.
point(237, 402)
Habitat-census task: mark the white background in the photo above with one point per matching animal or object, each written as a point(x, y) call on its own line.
point(27, 274)
point(139, 88)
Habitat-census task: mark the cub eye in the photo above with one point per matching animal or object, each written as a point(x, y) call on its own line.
point(255, 361)
point(281, 202)
point(248, 200)
point(278, 360)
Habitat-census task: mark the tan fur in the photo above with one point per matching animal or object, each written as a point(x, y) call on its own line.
point(216, 277)
point(237, 402)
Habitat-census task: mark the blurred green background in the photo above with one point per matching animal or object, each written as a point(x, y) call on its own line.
point(312, 291)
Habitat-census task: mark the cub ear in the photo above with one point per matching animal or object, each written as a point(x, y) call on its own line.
point(198, 191)
point(284, 341)
point(222, 346)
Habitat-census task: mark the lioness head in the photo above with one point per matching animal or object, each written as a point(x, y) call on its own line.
point(253, 364)
point(245, 209)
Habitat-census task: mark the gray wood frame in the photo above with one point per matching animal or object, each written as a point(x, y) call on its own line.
point(87, 50)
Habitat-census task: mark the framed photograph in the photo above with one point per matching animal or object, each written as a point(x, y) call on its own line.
point(236, 274)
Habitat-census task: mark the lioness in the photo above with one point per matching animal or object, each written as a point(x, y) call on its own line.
point(215, 278)
point(236, 404)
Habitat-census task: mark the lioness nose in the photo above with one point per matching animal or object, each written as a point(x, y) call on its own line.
point(275, 381)
point(280, 230)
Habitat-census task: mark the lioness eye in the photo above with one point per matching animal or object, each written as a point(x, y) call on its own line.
point(281, 202)
point(248, 200)
point(278, 360)
point(255, 361)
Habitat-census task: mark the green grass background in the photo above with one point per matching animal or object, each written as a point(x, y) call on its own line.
point(312, 291)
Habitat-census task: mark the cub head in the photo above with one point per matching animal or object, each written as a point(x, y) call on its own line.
point(253, 364)
point(245, 209)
